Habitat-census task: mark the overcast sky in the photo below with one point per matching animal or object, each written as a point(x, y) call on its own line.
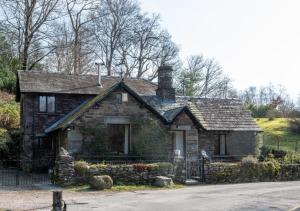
point(256, 41)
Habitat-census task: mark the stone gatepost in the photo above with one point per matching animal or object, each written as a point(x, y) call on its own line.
point(64, 168)
point(179, 169)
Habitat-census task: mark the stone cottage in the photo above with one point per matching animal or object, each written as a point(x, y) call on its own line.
point(127, 118)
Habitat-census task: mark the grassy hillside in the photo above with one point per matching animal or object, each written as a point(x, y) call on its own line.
point(278, 135)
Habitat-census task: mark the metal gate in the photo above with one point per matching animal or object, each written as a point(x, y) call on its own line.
point(16, 177)
point(195, 169)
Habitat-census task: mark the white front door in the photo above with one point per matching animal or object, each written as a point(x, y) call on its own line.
point(179, 142)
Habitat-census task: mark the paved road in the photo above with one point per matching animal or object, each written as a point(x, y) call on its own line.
point(251, 196)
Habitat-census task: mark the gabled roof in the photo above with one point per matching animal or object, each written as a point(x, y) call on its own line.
point(78, 111)
point(43, 82)
point(211, 114)
point(223, 115)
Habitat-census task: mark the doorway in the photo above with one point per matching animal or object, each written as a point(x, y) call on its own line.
point(179, 143)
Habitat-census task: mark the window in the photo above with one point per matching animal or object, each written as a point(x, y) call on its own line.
point(43, 104)
point(47, 104)
point(118, 137)
point(220, 147)
point(51, 104)
point(43, 143)
point(124, 97)
point(121, 98)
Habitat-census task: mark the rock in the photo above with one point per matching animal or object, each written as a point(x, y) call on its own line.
point(101, 182)
point(161, 181)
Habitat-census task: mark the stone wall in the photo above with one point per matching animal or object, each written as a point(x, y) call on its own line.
point(260, 172)
point(126, 173)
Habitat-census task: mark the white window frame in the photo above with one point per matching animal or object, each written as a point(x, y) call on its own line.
point(46, 110)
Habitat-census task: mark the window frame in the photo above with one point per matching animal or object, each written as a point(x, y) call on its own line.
point(46, 111)
point(121, 97)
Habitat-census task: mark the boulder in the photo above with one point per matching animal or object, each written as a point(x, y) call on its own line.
point(161, 181)
point(101, 182)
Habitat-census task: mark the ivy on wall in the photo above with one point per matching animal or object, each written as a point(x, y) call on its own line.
point(95, 140)
point(151, 139)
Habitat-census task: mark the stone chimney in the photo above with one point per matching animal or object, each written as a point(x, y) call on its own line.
point(165, 84)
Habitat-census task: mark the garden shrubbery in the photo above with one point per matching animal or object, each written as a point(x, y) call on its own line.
point(9, 124)
point(4, 140)
point(248, 170)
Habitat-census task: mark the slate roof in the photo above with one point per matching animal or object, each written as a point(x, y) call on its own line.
point(43, 82)
point(223, 115)
point(211, 114)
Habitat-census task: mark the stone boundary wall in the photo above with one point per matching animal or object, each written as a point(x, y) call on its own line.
point(124, 173)
point(260, 172)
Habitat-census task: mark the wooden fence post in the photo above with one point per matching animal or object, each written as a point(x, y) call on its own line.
point(57, 201)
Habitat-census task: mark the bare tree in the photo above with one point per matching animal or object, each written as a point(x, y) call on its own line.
point(146, 48)
point(203, 77)
point(167, 54)
point(113, 21)
point(78, 13)
point(138, 48)
point(25, 22)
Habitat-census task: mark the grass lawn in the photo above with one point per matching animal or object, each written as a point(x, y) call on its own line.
point(277, 132)
point(124, 187)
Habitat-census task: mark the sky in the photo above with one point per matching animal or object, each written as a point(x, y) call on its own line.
point(257, 42)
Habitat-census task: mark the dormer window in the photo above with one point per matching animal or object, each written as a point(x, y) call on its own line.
point(47, 104)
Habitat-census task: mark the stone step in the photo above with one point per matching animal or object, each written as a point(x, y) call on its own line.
point(192, 182)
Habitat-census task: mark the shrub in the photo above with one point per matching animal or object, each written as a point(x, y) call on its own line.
point(81, 168)
point(101, 182)
point(249, 160)
point(9, 115)
point(165, 165)
point(98, 166)
point(270, 168)
point(145, 167)
point(291, 157)
point(266, 151)
point(295, 125)
point(4, 140)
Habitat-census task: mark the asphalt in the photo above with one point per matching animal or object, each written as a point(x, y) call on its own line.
point(250, 196)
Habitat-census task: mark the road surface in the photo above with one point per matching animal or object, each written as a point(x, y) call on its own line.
point(249, 196)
